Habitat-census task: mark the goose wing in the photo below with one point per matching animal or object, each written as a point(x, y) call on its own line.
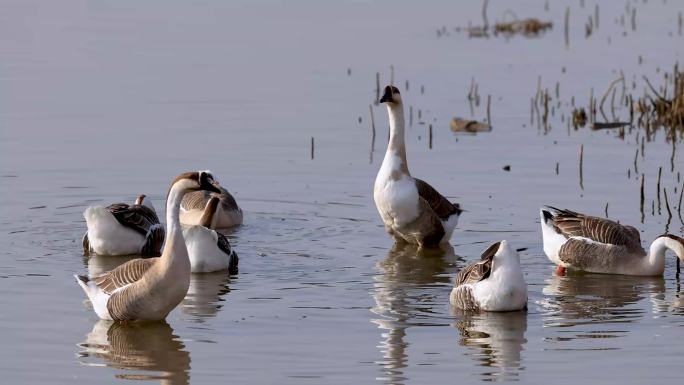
point(137, 217)
point(438, 203)
point(571, 224)
point(480, 270)
point(123, 275)
point(584, 254)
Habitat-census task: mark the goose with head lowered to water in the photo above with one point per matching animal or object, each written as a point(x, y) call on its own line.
point(148, 289)
point(208, 249)
point(495, 283)
point(596, 245)
point(226, 214)
point(122, 229)
point(412, 210)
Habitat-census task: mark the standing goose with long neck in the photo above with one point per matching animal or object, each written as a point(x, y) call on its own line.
point(148, 289)
point(411, 209)
point(581, 242)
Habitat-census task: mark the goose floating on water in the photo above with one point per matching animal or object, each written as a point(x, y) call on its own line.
point(495, 283)
point(581, 242)
point(412, 210)
point(122, 229)
point(208, 249)
point(148, 289)
point(228, 213)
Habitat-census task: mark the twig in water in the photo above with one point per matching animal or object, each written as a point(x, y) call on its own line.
point(660, 173)
point(430, 137)
point(377, 88)
point(667, 205)
point(312, 147)
point(641, 205)
point(567, 27)
point(679, 205)
point(606, 209)
point(581, 160)
point(489, 117)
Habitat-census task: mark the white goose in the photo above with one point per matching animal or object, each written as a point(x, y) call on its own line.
point(122, 229)
point(411, 209)
point(495, 283)
point(228, 213)
point(597, 245)
point(148, 289)
point(208, 249)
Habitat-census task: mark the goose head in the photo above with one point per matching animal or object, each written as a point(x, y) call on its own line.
point(391, 96)
point(195, 181)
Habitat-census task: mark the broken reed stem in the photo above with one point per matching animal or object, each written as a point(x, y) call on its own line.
point(660, 173)
point(377, 88)
point(636, 155)
point(312, 147)
point(641, 206)
point(605, 95)
point(581, 160)
point(430, 137)
point(667, 205)
point(410, 116)
point(372, 119)
point(485, 26)
point(489, 117)
point(606, 209)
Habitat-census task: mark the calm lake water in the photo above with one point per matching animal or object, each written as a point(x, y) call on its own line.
point(103, 100)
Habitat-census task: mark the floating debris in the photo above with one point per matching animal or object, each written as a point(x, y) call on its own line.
point(602, 126)
point(579, 117)
point(465, 125)
point(507, 167)
point(528, 27)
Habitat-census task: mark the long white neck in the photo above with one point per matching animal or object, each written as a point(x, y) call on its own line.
point(396, 148)
point(656, 253)
point(174, 232)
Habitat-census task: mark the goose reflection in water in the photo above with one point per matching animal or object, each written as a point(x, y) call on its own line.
point(496, 341)
point(206, 295)
point(411, 283)
point(145, 351)
point(591, 305)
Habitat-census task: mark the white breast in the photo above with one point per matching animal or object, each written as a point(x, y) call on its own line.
point(397, 200)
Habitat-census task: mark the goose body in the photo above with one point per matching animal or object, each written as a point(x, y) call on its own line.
point(208, 249)
point(495, 283)
point(411, 209)
point(228, 213)
point(581, 242)
point(122, 229)
point(148, 289)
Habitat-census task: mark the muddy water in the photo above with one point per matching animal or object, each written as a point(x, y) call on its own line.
point(102, 100)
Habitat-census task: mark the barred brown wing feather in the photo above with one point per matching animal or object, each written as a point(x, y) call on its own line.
point(233, 259)
point(438, 203)
point(197, 200)
point(572, 224)
point(592, 256)
point(475, 272)
point(130, 272)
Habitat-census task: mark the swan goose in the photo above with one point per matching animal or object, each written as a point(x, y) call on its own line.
point(148, 289)
point(122, 229)
point(208, 249)
point(495, 283)
point(228, 213)
point(581, 242)
point(412, 210)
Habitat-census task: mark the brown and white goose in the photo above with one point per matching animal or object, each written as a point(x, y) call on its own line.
point(122, 229)
point(597, 245)
point(411, 209)
point(227, 214)
point(208, 249)
point(494, 283)
point(148, 289)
